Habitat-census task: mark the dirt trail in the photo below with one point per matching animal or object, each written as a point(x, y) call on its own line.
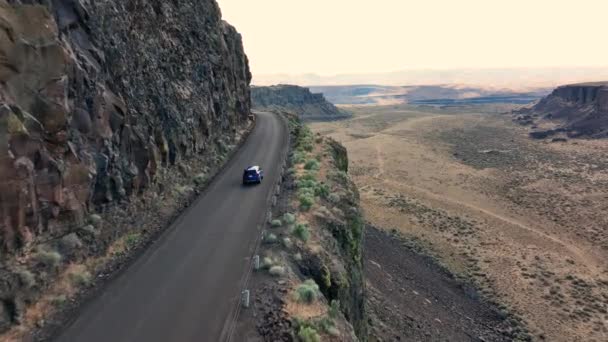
point(596, 264)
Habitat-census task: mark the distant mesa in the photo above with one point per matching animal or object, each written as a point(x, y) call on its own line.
point(575, 110)
point(434, 95)
point(295, 99)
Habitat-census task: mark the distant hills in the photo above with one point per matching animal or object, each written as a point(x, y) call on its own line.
point(425, 94)
point(518, 79)
point(295, 99)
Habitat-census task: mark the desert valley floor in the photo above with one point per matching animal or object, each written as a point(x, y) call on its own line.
point(522, 219)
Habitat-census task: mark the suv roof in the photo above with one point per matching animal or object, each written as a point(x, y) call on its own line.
point(253, 168)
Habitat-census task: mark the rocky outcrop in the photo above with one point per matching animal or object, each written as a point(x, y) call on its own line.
point(579, 110)
point(295, 99)
point(98, 98)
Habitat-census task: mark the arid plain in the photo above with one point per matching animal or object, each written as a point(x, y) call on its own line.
point(524, 220)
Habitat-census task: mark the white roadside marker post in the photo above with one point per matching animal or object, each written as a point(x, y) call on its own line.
point(245, 298)
point(256, 262)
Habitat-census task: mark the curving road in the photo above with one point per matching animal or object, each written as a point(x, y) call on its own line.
point(185, 286)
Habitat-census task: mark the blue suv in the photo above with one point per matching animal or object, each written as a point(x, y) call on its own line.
point(253, 174)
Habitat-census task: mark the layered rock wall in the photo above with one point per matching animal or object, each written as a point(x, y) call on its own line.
point(98, 97)
point(579, 110)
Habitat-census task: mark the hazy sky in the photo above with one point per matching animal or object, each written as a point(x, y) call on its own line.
point(359, 36)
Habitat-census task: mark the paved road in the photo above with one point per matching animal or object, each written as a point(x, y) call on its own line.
point(184, 288)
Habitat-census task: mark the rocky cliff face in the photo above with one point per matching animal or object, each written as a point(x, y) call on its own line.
point(296, 99)
point(99, 98)
point(579, 110)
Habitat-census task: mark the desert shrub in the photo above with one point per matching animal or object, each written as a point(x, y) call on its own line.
point(80, 278)
point(323, 213)
point(289, 218)
point(312, 164)
point(307, 146)
point(307, 191)
point(276, 223)
point(70, 242)
point(337, 211)
point(27, 278)
point(328, 325)
point(306, 201)
point(200, 179)
point(307, 292)
point(277, 271)
point(132, 239)
point(287, 242)
point(59, 300)
point(308, 334)
point(339, 176)
point(184, 190)
point(306, 183)
point(270, 238)
point(50, 259)
point(267, 263)
point(95, 220)
point(334, 309)
point(333, 198)
point(298, 157)
point(322, 190)
point(308, 176)
point(301, 231)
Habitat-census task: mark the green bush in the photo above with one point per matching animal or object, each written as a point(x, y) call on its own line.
point(267, 263)
point(289, 218)
point(50, 259)
point(298, 157)
point(307, 292)
point(80, 278)
point(312, 164)
point(308, 334)
point(306, 183)
point(322, 190)
point(132, 239)
point(301, 231)
point(333, 198)
point(306, 191)
point(307, 146)
point(340, 176)
point(59, 300)
point(270, 238)
point(334, 309)
point(276, 223)
point(27, 279)
point(95, 220)
point(306, 201)
point(309, 176)
point(328, 326)
point(200, 179)
point(287, 242)
point(277, 271)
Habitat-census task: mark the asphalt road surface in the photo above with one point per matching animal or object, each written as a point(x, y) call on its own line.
point(186, 285)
